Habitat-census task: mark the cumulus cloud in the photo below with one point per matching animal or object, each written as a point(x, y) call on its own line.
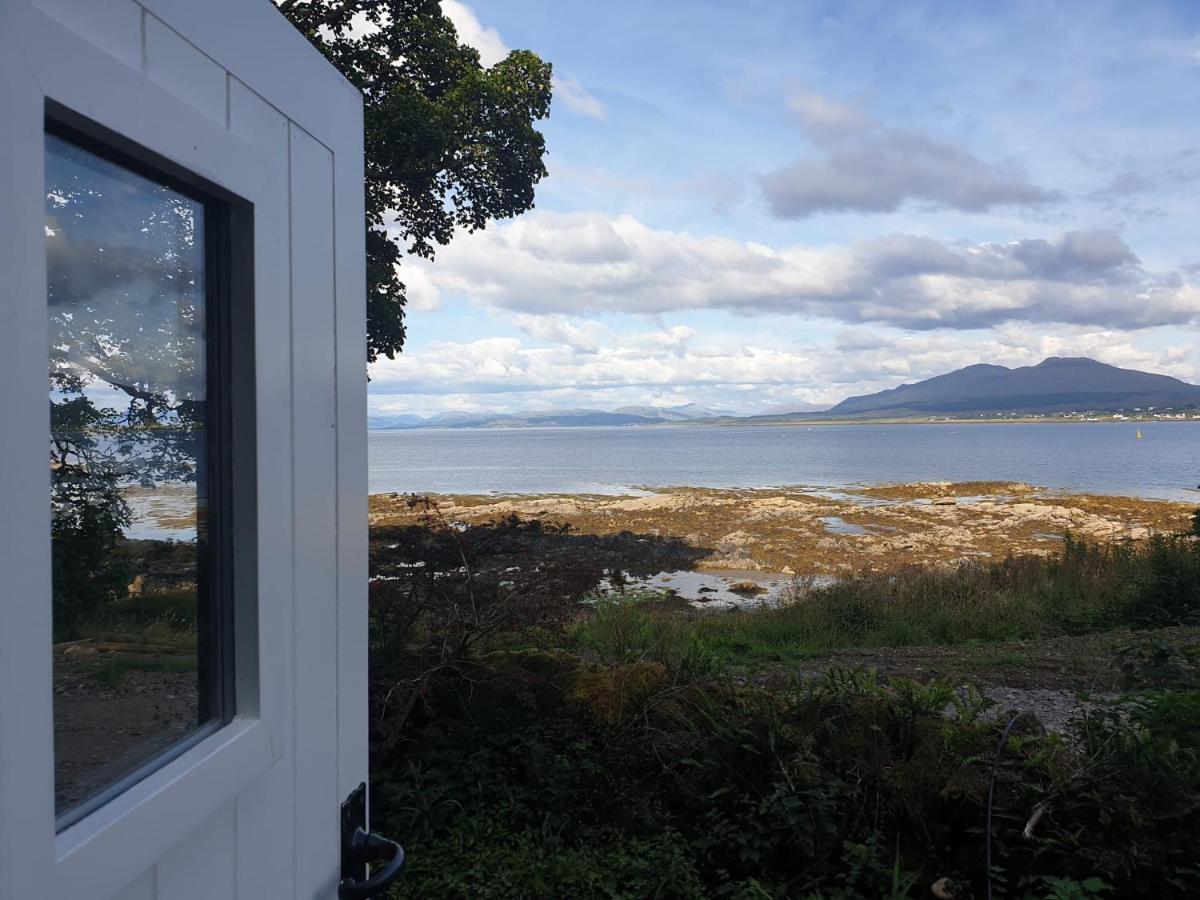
point(890, 358)
point(864, 165)
point(590, 262)
point(582, 337)
point(422, 295)
point(678, 364)
point(474, 33)
point(492, 48)
point(667, 357)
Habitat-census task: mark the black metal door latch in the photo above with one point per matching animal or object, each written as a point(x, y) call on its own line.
point(360, 847)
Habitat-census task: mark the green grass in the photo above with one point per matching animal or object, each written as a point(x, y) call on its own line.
point(999, 659)
point(113, 672)
point(154, 632)
point(1084, 589)
point(175, 609)
point(162, 618)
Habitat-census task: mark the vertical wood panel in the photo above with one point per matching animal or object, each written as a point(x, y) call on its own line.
point(201, 868)
point(264, 857)
point(314, 456)
point(252, 40)
point(352, 468)
point(141, 889)
point(176, 65)
point(266, 811)
point(113, 25)
point(26, 732)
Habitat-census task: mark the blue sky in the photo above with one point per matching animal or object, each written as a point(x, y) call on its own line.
point(777, 204)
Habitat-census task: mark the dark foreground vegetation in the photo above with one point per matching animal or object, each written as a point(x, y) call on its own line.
point(527, 744)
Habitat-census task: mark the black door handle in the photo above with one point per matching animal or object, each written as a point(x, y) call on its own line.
point(367, 847)
point(360, 847)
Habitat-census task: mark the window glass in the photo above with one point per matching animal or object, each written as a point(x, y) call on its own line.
point(129, 471)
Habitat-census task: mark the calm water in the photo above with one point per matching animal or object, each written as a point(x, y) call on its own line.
point(1097, 457)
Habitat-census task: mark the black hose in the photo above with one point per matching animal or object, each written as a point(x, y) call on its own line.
point(991, 787)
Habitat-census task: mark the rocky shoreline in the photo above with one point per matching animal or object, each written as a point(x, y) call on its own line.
point(809, 531)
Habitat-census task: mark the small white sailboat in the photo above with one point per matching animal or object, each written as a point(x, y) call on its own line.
point(1139, 434)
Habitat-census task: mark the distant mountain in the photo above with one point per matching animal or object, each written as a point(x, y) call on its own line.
point(685, 413)
point(377, 422)
point(564, 418)
point(1055, 385)
point(576, 417)
point(456, 420)
point(784, 409)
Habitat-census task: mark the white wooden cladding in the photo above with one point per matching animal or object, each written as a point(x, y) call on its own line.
point(229, 90)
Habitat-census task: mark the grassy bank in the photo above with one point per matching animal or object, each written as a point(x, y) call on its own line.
point(1085, 588)
point(526, 744)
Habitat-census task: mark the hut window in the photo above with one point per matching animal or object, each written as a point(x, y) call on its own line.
point(138, 487)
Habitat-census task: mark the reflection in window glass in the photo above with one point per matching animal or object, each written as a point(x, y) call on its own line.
point(128, 448)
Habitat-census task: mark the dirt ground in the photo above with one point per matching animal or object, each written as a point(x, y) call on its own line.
point(104, 730)
point(1055, 679)
point(807, 531)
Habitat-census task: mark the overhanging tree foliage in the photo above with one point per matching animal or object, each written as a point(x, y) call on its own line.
point(449, 144)
point(127, 373)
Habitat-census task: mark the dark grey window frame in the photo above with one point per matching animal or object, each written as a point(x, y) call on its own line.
point(227, 559)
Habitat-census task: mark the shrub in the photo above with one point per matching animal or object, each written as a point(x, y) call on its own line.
point(613, 694)
point(836, 787)
point(611, 753)
point(1157, 663)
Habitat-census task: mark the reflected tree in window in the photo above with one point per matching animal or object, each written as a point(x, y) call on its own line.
point(127, 364)
point(128, 378)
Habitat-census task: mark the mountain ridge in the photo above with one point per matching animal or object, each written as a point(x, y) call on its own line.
point(1055, 385)
point(561, 418)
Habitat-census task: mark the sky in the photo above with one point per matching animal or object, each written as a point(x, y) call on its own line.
point(775, 204)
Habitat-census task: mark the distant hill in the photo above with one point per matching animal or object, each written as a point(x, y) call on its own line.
point(686, 413)
point(788, 408)
point(1055, 385)
point(376, 422)
point(564, 418)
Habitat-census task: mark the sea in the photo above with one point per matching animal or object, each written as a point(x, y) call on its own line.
point(1091, 457)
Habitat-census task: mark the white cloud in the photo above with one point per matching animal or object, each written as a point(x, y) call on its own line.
point(677, 364)
point(583, 337)
point(590, 262)
point(419, 289)
point(867, 166)
point(492, 48)
point(892, 358)
point(474, 33)
point(652, 360)
point(577, 99)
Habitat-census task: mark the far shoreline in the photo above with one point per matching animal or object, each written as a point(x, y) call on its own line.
point(940, 421)
point(743, 423)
